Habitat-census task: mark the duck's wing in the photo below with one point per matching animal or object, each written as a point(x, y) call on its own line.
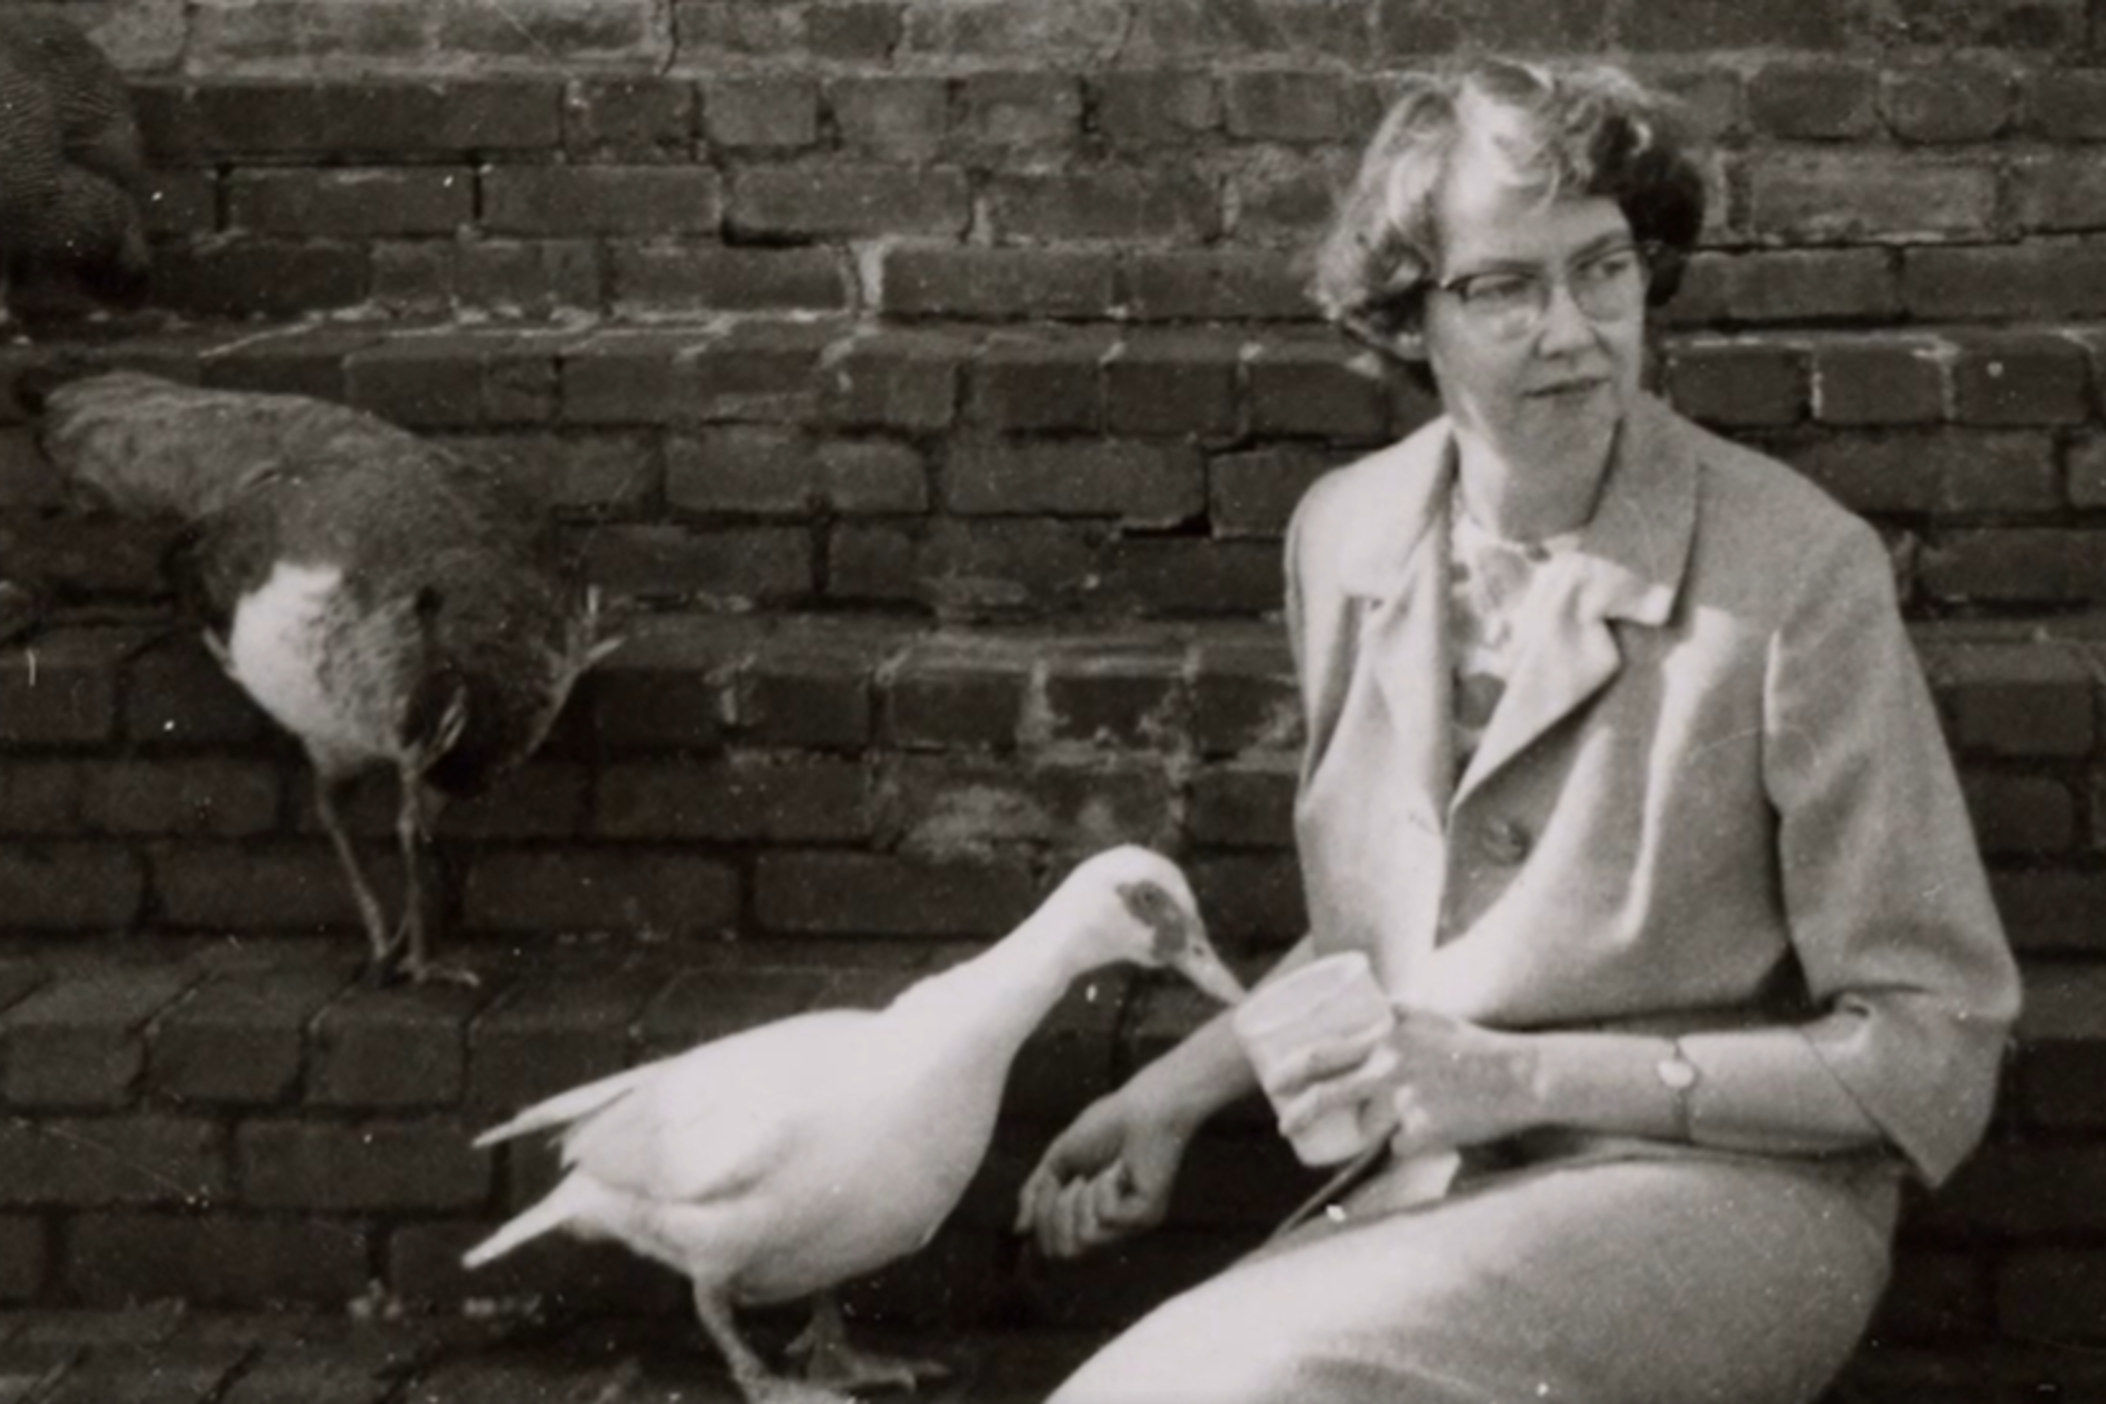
point(715, 1121)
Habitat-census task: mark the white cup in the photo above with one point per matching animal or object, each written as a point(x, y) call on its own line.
point(1332, 997)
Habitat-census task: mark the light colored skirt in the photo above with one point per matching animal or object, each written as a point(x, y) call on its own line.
point(1681, 1278)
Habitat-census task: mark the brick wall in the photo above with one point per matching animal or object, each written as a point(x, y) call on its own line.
point(933, 381)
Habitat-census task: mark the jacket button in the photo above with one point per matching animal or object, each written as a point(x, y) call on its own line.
point(1504, 841)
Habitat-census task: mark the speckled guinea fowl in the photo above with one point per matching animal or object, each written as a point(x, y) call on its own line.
point(387, 601)
point(72, 171)
point(779, 1162)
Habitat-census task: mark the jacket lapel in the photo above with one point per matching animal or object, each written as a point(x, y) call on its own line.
point(1398, 567)
point(1626, 566)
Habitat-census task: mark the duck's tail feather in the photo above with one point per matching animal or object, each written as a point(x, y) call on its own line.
point(565, 1107)
point(558, 1208)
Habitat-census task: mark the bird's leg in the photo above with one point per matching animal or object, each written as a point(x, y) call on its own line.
point(326, 790)
point(420, 807)
point(755, 1380)
point(830, 1360)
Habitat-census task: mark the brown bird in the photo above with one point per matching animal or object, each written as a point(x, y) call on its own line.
point(386, 600)
point(72, 176)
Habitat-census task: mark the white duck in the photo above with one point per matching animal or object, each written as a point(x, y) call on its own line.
point(778, 1162)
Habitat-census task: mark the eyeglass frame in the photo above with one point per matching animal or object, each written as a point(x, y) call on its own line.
point(1545, 282)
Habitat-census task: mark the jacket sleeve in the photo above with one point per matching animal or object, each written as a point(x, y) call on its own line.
point(1913, 984)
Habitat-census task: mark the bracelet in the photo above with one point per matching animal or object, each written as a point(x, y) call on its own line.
point(1680, 1077)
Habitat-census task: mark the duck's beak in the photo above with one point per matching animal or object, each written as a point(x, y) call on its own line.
point(1198, 962)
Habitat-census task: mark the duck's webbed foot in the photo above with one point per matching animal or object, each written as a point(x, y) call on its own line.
point(830, 1360)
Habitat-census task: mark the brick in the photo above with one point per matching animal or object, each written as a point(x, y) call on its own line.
point(308, 361)
point(1120, 698)
point(2067, 104)
point(620, 201)
point(2013, 699)
point(835, 200)
point(1412, 29)
point(1851, 196)
point(1697, 25)
point(398, 1047)
point(2058, 191)
point(61, 692)
point(1028, 383)
point(253, 276)
point(1254, 493)
point(669, 690)
point(897, 380)
point(869, 563)
point(768, 112)
point(1315, 388)
point(956, 695)
point(1016, 112)
point(1172, 383)
point(630, 120)
point(1226, 285)
point(42, 798)
point(1878, 381)
point(1003, 29)
point(529, 277)
point(1245, 806)
point(81, 1041)
point(895, 116)
point(1107, 203)
point(628, 892)
point(359, 203)
point(812, 687)
point(1147, 108)
point(181, 203)
point(588, 1281)
point(1280, 198)
point(1192, 577)
point(557, 1029)
point(978, 568)
point(2047, 280)
point(922, 281)
point(95, 1162)
point(710, 278)
point(113, 1260)
point(1289, 106)
point(708, 33)
point(1739, 384)
point(858, 894)
point(2021, 814)
point(1947, 104)
point(861, 476)
point(1802, 285)
point(853, 31)
point(2052, 1293)
point(2050, 910)
point(69, 887)
point(2011, 565)
point(2087, 471)
point(974, 807)
point(176, 695)
point(1244, 697)
point(1253, 901)
point(25, 1258)
point(284, 887)
point(2020, 378)
point(375, 1166)
point(624, 377)
point(805, 802)
point(1140, 483)
point(744, 470)
point(240, 1037)
point(762, 369)
point(1826, 101)
point(203, 123)
point(426, 383)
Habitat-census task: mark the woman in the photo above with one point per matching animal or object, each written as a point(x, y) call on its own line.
point(1621, 769)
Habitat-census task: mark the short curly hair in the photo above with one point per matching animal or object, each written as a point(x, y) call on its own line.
point(1565, 129)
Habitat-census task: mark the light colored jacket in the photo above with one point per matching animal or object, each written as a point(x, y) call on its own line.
point(1714, 796)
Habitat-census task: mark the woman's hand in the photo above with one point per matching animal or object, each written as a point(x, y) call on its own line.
point(1433, 1083)
point(1107, 1177)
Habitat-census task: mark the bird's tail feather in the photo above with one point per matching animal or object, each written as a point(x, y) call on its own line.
point(564, 1107)
point(553, 1211)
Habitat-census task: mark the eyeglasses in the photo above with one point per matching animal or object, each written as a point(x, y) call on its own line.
point(1606, 287)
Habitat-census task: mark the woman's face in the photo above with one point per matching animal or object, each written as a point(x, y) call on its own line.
point(1550, 387)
